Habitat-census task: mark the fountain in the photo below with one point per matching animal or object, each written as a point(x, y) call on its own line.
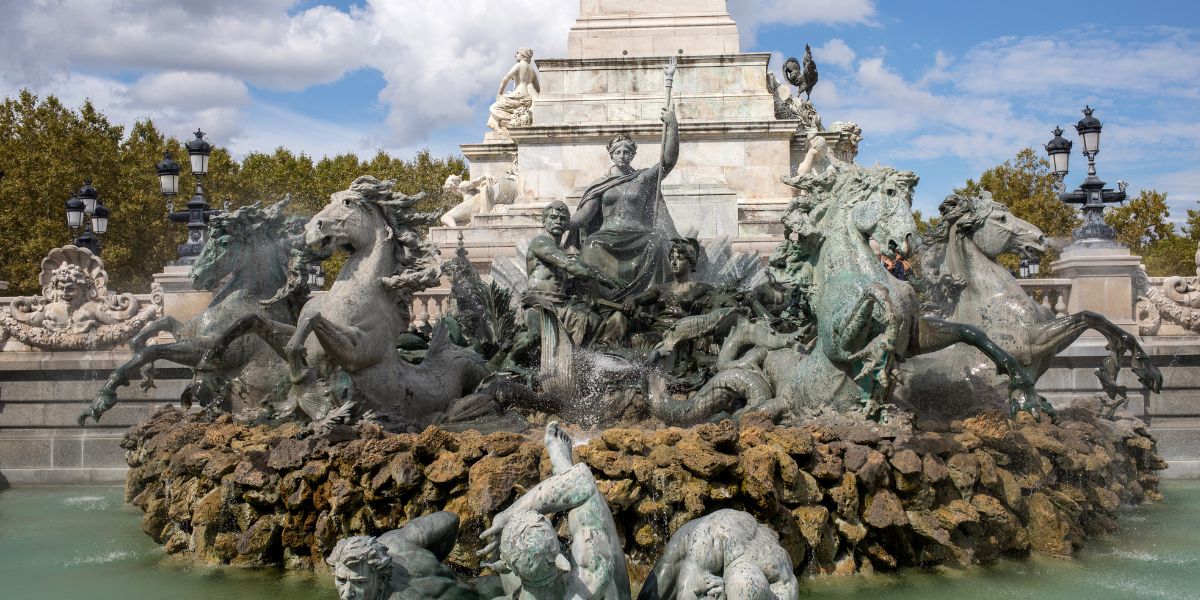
point(800, 455)
point(696, 420)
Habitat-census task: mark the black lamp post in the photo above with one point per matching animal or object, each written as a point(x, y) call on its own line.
point(198, 212)
point(1030, 267)
point(85, 211)
point(316, 277)
point(1091, 194)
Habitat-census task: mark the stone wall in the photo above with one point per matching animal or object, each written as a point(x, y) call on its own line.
point(41, 394)
point(843, 498)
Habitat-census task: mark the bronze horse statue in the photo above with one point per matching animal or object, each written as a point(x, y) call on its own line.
point(250, 246)
point(962, 281)
point(867, 321)
point(342, 349)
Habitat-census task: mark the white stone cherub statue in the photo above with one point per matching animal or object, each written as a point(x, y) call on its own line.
point(477, 198)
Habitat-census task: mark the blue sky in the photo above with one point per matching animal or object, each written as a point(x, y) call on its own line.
point(945, 88)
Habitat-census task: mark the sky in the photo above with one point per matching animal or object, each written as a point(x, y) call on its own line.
point(946, 88)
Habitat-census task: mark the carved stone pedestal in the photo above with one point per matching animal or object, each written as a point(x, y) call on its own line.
point(1102, 281)
point(182, 301)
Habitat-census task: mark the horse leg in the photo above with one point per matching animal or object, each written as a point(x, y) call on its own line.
point(1053, 337)
point(186, 352)
point(935, 334)
point(345, 345)
point(138, 343)
point(274, 333)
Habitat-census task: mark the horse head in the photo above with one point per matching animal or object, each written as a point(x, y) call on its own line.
point(990, 226)
point(236, 243)
point(879, 200)
point(355, 217)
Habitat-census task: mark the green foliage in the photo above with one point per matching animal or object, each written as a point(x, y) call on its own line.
point(924, 226)
point(47, 150)
point(1173, 255)
point(1142, 222)
point(1191, 226)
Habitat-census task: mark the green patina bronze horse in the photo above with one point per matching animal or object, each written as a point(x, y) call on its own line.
point(962, 281)
point(250, 246)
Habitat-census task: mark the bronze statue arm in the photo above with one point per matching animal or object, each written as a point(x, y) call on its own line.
point(670, 145)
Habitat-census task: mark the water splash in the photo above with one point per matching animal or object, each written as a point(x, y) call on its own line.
point(101, 558)
point(88, 502)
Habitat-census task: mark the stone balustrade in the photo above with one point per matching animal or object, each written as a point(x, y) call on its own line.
point(428, 307)
point(1054, 294)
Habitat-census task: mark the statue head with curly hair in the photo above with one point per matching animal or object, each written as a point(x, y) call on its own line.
point(69, 283)
point(529, 548)
point(362, 568)
point(684, 254)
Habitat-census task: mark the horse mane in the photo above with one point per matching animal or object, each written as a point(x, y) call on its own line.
point(940, 287)
point(417, 261)
point(253, 220)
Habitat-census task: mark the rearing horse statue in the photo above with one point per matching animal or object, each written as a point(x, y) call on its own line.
point(962, 281)
point(250, 246)
point(867, 320)
point(352, 329)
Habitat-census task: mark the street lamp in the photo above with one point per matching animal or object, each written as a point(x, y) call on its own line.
point(198, 212)
point(316, 276)
point(1091, 194)
point(85, 211)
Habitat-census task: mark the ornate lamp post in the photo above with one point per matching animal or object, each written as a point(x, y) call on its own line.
point(85, 211)
point(1091, 194)
point(198, 212)
point(1030, 267)
point(316, 277)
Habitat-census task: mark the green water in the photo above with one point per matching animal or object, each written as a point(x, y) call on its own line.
point(83, 543)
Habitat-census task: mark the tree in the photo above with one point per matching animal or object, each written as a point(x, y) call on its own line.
point(1191, 225)
point(47, 150)
point(1026, 186)
point(924, 226)
point(1173, 255)
point(1142, 222)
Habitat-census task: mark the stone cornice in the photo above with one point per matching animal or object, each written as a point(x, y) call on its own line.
point(777, 129)
point(633, 62)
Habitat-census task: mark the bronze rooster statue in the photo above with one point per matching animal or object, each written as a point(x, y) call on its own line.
point(803, 76)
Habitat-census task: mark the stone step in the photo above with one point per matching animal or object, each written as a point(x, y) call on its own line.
point(46, 450)
point(63, 414)
point(14, 392)
point(1176, 440)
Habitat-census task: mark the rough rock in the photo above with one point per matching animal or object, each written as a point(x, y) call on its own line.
point(843, 498)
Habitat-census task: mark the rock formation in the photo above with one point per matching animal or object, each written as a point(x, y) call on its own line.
point(843, 496)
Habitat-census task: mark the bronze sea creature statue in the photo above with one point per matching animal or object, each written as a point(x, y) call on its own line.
point(962, 281)
point(343, 346)
point(251, 247)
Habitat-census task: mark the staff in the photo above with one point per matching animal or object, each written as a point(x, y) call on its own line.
point(669, 71)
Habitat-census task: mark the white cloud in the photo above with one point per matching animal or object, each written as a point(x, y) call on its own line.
point(835, 52)
point(751, 15)
point(435, 66)
point(189, 91)
point(1160, 61)
point(440, 58)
